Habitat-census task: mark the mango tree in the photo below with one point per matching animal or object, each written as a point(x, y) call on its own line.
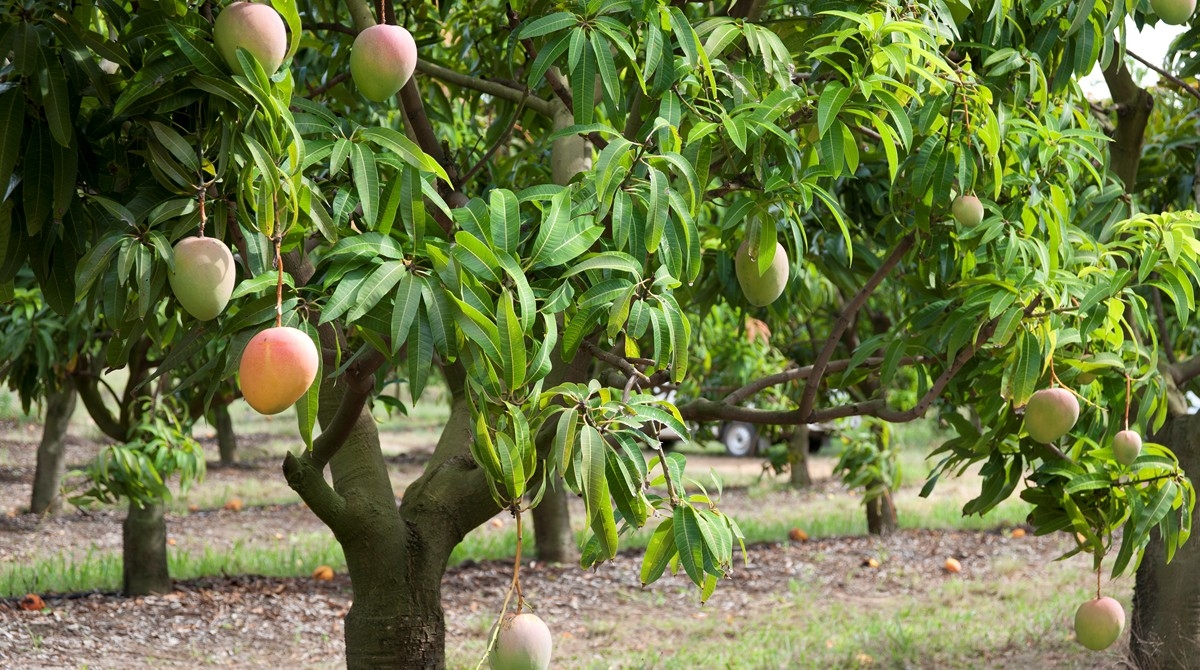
point(561, 189)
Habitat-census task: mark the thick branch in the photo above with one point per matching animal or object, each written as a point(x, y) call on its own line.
point(89, 393)
point(492, 88)
point(746, 392)
point(1133, 105)
point(847, 316)
point(613, 360)
point(707, 410)
point(1186, 370)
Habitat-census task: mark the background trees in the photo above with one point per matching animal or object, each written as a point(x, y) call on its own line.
point(559, 192)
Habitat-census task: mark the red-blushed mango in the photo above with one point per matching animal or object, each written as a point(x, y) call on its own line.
point(1126, 446)
point(1050, 414)
point(203, 277)
point(761, 289)
point(382, 60)
point(523, 643)
point(1099, 622)
point(1174, 12)
point(255, 27)
point(967, 210)
point(278, 366)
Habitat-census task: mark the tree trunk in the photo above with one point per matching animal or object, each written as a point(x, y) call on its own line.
point(552, 525)
point(226, 437)
point(1165, 626)
point(881, 514)
point(60, 405)
point(144, 534)
point(799, 476)
point(395, 556)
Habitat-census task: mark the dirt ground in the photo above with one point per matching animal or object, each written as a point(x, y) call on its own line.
point(285, 623)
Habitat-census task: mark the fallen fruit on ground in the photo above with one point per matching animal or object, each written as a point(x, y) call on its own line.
point(255, 27)
point(952, 565)
point(967, 210)
point(203, 277)
point(233, 505)
point(32, 602)
point(797, 535)
point(1126, 446)
point(1174, 12)
point(761, 289)
point(323, 573)
point(1018, 533)
point(1050, 414)
point(1099, 622)
point(277, 367)
point(382, 60)
point(523, 643)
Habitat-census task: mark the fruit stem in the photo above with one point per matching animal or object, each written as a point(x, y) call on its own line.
point(203, 214)
point(1098, 580)
point(279, 283)
point(1128, 398)
point(516, 580)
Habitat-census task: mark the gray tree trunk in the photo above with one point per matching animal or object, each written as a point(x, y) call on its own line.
point(881, 514)
point(799, 476)
point(144, 534)
point(552, 525)
point(1165, 626)
point(60, 405)
point(226, 437)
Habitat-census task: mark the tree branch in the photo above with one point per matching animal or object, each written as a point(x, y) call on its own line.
point(1133, 105)
point(1191, 90)
point(492, 88)
point(813, 382)
point(746, 392)
point(708, 410)
point(613, 360)
point(89, 392)
point(331, 27)
point(324, 88)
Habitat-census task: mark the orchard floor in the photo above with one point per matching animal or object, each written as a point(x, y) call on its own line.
point(832, 602)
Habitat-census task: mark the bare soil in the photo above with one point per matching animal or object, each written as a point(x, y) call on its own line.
point(259, 622)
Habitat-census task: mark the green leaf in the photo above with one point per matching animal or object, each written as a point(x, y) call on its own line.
point(689, 542)
point(583, 89)
point(505, 220)
point(55, 101)
point(12, 121)
point(407, 302)
point(476, 257)
point(512, 343)
point(607, 260)
point(38, 175)
point(404, 148)
point(595, 488)
point(309, 404)
point(659, 552)
point(378, 284)
point(545, 25)
point(366, 179)
point(421, 343)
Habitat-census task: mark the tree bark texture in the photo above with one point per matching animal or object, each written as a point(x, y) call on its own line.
point(1165, 626)
point(226, 437)
point(881, 514)
point(799, 477)
point(60, 405)
point(144, 558)
point(552, 525)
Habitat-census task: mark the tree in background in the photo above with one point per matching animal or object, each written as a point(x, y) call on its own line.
point(429, 233)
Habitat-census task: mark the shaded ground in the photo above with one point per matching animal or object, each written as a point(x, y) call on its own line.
point(258, 622)
point(248, 622)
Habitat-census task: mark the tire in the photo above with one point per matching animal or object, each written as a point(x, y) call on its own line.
point(740, 439)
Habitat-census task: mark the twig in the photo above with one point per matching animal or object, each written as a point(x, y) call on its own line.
point(324, 88)
point(613, 360)
point(493, 88)
point(1192, 91)
point(331, 27)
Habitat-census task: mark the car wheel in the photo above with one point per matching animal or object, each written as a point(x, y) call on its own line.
point(740, 439)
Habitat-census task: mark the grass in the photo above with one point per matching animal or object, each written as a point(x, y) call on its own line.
point(296, 555)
